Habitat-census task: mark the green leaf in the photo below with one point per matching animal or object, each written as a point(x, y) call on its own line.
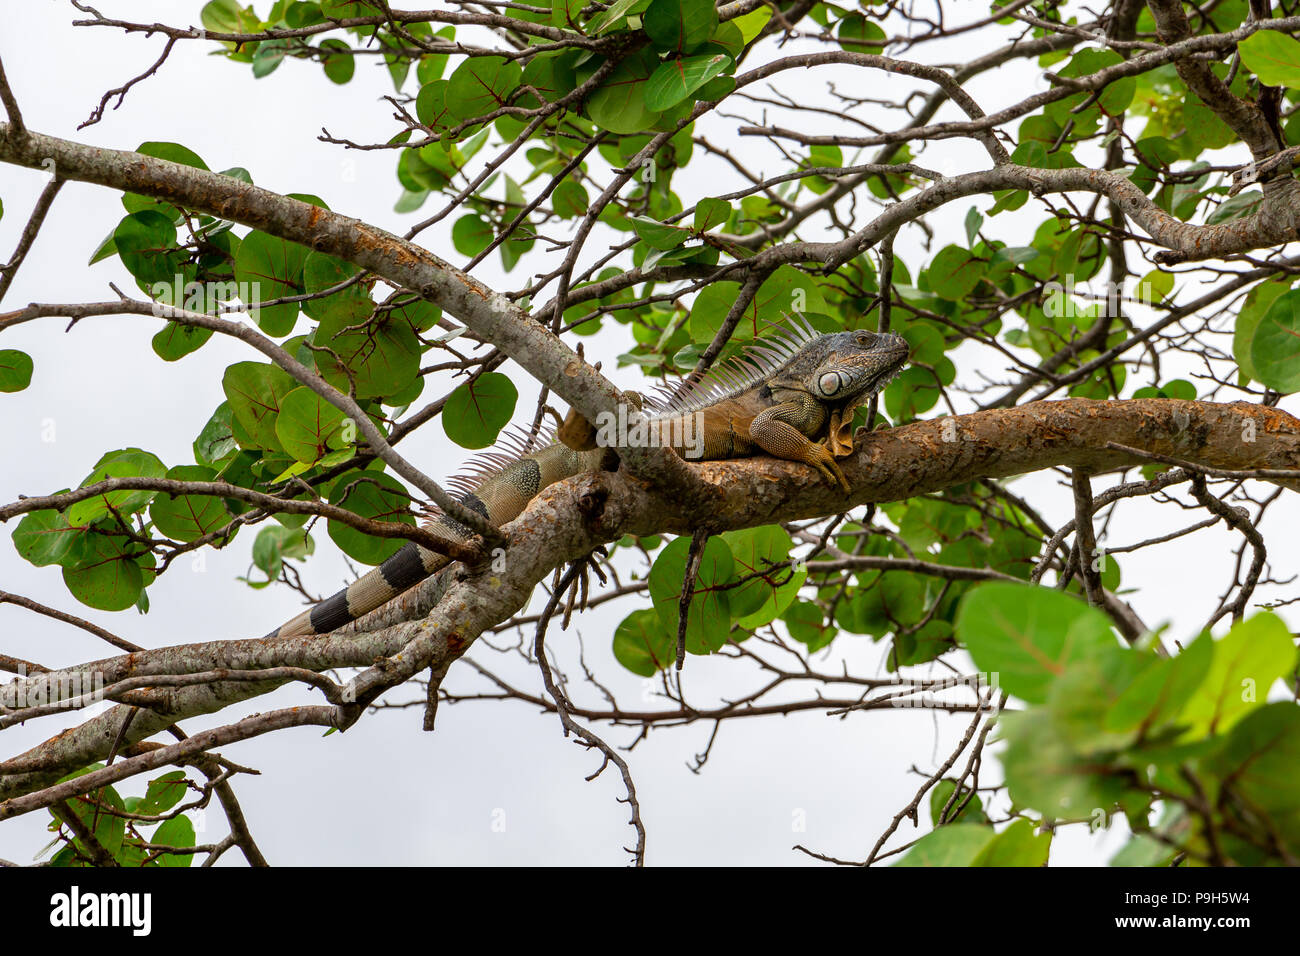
point(807, 624)
point(786, 291)
point(973, 222)
point(476, 412)
point(321, 271)
point(1275, 346)
point(382, 356)
point(680, 25)
point(710, 212)
point(472, 234)
point(163, 793)
point(481, 85)
point(179, 832)
point(1258, 301)
point(1017, 845)
point(1159, 693)
point(643, 645)
point(955, 845)
point(677, 79)
point(15, 370)
point(308, 426)
point(126, 463)
point(857, 33)
point(967, 808)
point(1257, 765)
point(216, 440)
point(106, 576)
point(1246, 662)
point(708, 620)
point(175, 341)
point(656, 235)
point(146, 244)
point(1273, 57)
point(1028, 635)
point(375, 495)
point(1116, 96)
point(254, 390)
point(272, 269)
point(1045, 771)
point(752, 23)
point(339, 64)
point(109, 828)
point(569, 200)
point(764, 551)
point(619, 104)
point(955, 272)
point(431, 105)
point(565, 13)
point(44, 537)
point(616, 12)
point(188, 517)
point(420, 314)
point(273, 545)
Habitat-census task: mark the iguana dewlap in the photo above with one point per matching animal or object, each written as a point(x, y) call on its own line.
point(791, 396)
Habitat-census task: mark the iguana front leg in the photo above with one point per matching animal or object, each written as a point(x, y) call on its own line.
point(771, 431)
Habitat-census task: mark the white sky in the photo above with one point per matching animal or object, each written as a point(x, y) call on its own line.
point(385, 792)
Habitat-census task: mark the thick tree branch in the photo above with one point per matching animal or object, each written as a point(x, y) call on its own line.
point(569, 519)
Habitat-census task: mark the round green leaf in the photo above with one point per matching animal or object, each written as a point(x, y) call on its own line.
point(619, 104)
point(708, 621)
point(569, 200)
point(431, 105)
point(1272, 56)
point(1275, 348)
point(374, 495)
point(807, 624)
point(146, 243)
point(642, 645)
point(188, 517)
point(680, 25)
point(174, 341)
point(339, 63)
point(1029, 635)
point(472, 234)
point(382, 356)
point(308, 426)
point(254, 390)
point(476, 412)
point(321, 271)
point(127, 463)
point(15, 370)
point(481, 85)
point(106, 577)
point(762, 551)
point(955, 272)
point(272, 269)
point(44, 537)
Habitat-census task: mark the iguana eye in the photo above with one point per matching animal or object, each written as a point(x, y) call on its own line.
point(864, 338)
point(830, 383)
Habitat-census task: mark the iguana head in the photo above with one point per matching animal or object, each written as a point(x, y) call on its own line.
point(846, 368)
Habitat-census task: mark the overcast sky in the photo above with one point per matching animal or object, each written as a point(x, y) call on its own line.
point(385, 792)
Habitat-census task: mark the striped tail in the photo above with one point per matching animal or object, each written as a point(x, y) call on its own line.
point(498, 485)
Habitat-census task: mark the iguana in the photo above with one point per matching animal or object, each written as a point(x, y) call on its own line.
point(781, 395)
